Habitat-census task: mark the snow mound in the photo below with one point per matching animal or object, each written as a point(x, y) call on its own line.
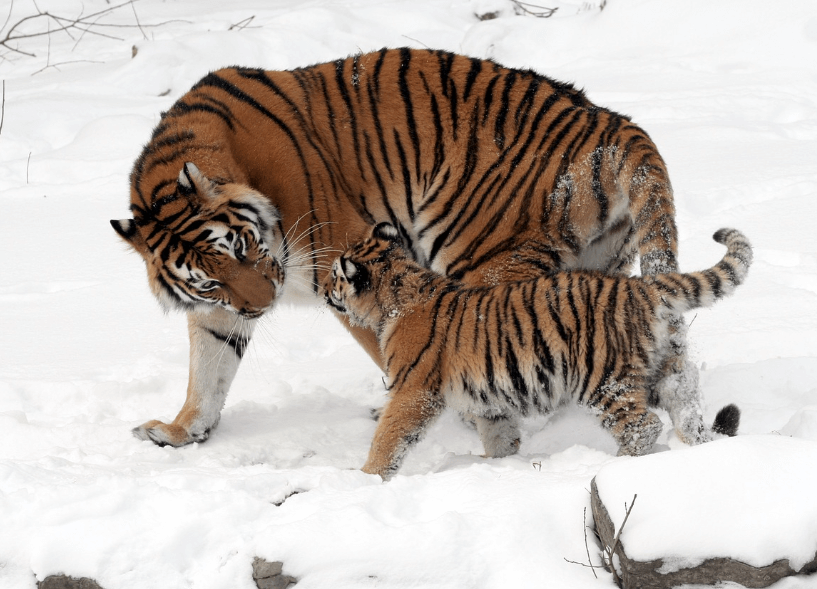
point(750, 498)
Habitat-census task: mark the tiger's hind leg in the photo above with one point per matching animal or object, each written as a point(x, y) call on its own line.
point(499, 435)
point(402, 424)
point(679, 392)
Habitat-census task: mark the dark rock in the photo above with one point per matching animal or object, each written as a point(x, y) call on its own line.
point(66, 582)
point(636, 574)
point(269, 575)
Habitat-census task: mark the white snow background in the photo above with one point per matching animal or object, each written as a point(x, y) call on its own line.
point(728, 91)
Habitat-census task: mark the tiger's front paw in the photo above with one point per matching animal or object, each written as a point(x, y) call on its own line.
point(384, 471)
point(164, 434)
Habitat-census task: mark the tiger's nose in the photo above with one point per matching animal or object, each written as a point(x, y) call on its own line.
point(272, 270)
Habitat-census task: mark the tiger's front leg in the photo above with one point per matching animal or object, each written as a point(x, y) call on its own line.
point(218, 340)
point(403, 423)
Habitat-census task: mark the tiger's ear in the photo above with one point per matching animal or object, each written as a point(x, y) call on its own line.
point(192, 182)
point(357, 275)
point(385, 231)
point(126, 228)
point(349, 268)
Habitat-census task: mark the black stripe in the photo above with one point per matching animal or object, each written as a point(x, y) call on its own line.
point(378, 66)
point(504, 108)
point(598, 191)
point(589, 333)
point(344, 93)
point(406, 177)
point(411, 123)
point(378, 125)
point(182, 108)
point(476, 68)
point(237, 343)
point(488, 98)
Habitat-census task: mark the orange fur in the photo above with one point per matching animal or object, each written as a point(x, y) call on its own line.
point(490, 175)
point(520, 347)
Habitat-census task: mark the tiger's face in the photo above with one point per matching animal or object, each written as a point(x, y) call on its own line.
point(352, 287)
point(209, 245)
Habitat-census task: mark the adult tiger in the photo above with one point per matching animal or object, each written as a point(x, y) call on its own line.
point(489, 174)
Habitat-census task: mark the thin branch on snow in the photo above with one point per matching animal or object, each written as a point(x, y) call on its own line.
point(609, 552)
point(417, 41)
point(534, 9)
point(3, 108)
point(591, 566)
point(75, 27)
point(243, 24)
point(693, 321)
point(136, 16)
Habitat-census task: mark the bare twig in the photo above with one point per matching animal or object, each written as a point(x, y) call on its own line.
point(609, 552)
point(586, 547)
point(417, 41)
point(59, 63)
point(28, 161)
point(3, 107)
point(538, 11)
point(626, 517)
point(10, 36)
point(8, 16)
point(242, 24)
point(136, 16)
point(590, 566)
point(693, 321)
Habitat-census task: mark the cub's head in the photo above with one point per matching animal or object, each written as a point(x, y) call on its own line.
point(353, 286)
point(207, 244)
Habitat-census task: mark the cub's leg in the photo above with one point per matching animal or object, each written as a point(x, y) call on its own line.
point(218, 340)
point(499, 435)
point(636, 433)
point(623, 411)
point(403, 423)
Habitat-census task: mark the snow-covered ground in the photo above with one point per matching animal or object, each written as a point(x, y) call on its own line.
point(728, 91)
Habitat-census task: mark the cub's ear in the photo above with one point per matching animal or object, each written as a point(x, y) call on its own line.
point(126, 228)
point(385, 231)
point(191, 181)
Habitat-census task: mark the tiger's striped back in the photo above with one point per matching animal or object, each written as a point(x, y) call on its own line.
point(488, 173)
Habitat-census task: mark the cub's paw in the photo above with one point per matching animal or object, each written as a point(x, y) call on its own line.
point(164, 434)
point(638, 436)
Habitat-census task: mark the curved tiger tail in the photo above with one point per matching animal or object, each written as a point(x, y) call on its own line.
point(687, 291)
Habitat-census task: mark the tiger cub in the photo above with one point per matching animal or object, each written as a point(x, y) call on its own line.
point(521, 347)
